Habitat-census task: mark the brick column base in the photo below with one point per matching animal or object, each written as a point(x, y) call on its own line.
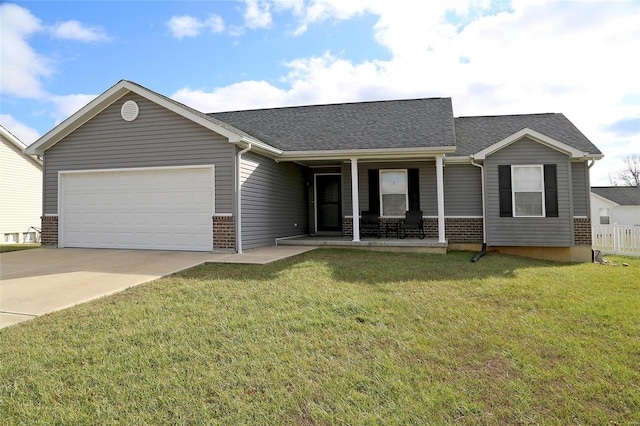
point(582, 231)
point(347, 227)
point(224, 233)
point(49, 234)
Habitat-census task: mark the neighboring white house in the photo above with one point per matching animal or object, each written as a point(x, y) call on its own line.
point(20, 191)
point(615, 205)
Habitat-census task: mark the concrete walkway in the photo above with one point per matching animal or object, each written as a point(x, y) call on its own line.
point(39, 281)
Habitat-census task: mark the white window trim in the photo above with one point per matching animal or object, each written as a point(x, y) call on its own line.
point(541, 191)
point(406, 191)
point(608, 215)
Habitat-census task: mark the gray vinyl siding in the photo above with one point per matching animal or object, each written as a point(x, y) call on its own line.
point(462, 187)
point(579, 177)
point(534, 231)
point(274, 200)
point(157, 138)
point(462, 190)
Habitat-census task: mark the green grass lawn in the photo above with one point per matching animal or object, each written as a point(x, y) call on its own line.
point(340, 337)
point(5, 248)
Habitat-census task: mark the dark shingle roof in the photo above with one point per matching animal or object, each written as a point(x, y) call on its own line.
point(622, 195)
point(474, 134)
point(364, 125)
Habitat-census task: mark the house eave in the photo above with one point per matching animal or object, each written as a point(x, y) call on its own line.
point(18, 144)
point(367, 154)
point(257, 146)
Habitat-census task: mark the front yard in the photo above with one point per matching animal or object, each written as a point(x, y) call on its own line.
point(340, 337)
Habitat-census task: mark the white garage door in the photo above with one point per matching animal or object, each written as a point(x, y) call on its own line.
point(151, 209)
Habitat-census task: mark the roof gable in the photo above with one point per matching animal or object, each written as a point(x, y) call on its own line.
point(478, 136)
point(118, 91)
point(535, 136)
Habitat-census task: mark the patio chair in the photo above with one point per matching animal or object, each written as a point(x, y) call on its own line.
point(412, 220)
point(370, 221)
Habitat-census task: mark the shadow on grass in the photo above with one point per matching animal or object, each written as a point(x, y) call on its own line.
point(373, 267)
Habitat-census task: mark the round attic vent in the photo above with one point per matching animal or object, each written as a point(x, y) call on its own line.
point(129, 111)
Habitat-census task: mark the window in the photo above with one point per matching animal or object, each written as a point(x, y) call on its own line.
point(29, 237)
point(11, 238)
point(528, 190)
point(394, 194)
point(604, 217)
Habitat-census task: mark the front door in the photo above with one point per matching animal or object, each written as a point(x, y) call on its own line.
point(328, 203)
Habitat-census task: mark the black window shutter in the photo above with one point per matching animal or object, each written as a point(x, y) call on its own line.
point(504, 185)
point(374, 191)
point(414, 189)
point(551, 190)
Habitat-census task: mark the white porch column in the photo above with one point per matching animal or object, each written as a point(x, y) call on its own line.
point(440, 188)
point(354, 199)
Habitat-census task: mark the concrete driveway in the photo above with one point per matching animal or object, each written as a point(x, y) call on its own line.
point(35, 282)
point(39, 281)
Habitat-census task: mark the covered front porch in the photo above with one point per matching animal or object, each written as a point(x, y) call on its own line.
point(386, 188)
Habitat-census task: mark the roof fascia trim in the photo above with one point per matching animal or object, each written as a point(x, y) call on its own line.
point(257, 146)
point(382, 153)
point(537, 137)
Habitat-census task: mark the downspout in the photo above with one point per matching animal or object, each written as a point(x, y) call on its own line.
point(239, 198)
point(484, 215)
point(594, 253)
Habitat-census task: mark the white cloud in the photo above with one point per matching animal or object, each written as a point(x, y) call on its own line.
point(22, 67)
point(544, 56)
point(189, 26)
point(184, 26)
point(26, 134)
point(74, 30)
point(67, 105)
point(245, 95)
point(257, 14)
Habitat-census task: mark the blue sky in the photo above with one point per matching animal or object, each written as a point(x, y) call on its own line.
point(491, 57)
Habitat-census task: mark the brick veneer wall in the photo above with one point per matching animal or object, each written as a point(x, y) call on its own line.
point(582, 231)
point(465, 230)
point(457, 230)
point(224, 232)
point(49, 231)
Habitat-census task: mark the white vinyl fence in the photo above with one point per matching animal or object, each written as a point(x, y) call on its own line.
point(616, 239)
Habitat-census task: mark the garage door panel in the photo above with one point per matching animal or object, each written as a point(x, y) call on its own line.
point(165, 209)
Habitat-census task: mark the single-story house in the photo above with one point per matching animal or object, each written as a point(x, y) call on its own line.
point(615, 205)
point(135, 169)
point(20, 191)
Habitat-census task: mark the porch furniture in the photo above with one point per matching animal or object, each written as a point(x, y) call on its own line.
point(390, 227)
point(412, 220)
point(370, 221)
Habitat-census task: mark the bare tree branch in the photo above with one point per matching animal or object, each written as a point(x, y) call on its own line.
point(630, 174)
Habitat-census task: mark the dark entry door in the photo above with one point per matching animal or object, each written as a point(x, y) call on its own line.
point(328, 203)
